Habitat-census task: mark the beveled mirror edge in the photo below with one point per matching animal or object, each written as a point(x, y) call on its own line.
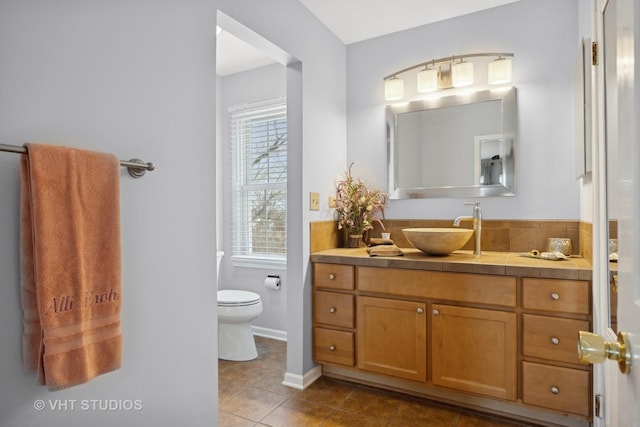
point(509, 114)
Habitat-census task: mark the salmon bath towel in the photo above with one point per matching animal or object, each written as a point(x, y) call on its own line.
point(70, 264)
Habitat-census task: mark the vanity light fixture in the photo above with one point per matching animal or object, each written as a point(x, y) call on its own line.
point(462, 73)
point(427, 80)
point(393, 89)
point(453, 71)
point(500, 71)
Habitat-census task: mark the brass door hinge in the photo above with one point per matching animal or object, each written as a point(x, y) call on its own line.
point(594, 53)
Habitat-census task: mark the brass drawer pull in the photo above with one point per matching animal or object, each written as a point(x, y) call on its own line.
point(555, 296)
point(332, 276)
point(332, 309)
point(555, 340)
point(555, 390)
point(436, 312)
point(332, 348)
point(419, 310)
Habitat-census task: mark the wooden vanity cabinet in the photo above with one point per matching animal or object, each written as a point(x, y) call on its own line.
point(552, 376)
point(506, 343)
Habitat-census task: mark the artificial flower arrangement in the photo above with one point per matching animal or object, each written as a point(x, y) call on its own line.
point(357, 206)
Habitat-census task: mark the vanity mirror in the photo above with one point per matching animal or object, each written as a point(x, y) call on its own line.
point(454, 146)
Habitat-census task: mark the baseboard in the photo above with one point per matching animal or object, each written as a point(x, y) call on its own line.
point(301, 382)
point(296, 381)
point(269, 333)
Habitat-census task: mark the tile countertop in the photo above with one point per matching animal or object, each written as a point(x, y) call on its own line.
point(498, 263)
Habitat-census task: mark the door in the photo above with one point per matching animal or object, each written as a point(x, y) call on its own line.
point(628, 186)
point(621, 392)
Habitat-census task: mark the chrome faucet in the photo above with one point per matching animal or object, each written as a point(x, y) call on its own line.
point(477, 225)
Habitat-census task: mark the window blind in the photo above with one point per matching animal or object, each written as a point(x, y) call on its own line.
point(259, 180)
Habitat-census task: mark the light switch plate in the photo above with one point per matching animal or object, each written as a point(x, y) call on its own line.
point(314, 201)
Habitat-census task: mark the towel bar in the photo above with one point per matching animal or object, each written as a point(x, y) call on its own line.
point(136, 167)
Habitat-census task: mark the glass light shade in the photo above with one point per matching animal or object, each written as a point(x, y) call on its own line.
point(393, 89)
point(500, 71)
point(462, 74)
point(427, 80)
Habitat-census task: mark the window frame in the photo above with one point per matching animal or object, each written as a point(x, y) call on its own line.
point(239, 116)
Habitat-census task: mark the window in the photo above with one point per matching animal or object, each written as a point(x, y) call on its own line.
point(259, 179)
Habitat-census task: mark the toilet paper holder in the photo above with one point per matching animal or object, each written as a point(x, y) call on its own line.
point(272, 281)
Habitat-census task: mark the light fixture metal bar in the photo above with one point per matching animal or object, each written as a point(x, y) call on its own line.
point(445, 60)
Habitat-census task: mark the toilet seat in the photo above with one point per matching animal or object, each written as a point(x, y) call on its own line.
point(235, 298)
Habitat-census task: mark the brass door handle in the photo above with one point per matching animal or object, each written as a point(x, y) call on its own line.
point(592, 348)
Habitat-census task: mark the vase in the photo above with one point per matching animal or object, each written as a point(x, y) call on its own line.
point(558, 244)
point(354, 241)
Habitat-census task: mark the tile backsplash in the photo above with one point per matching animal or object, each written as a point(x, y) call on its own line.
point(497, 235)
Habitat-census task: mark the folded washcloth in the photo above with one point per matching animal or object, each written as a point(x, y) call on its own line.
point(70, 262)
point(384, 250)
point(375, 241)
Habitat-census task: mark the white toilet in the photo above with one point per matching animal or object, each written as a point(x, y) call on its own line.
point(236, 311)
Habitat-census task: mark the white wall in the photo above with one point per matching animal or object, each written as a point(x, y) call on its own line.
point(134, 78)
point(260, 84)
point(543, 35)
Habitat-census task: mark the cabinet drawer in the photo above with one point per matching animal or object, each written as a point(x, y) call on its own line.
point(334, 309)
point(463, 287)
point(552, 338)
point(565, 296)
point(334, 346)
point(552, 387)
point(333, 276)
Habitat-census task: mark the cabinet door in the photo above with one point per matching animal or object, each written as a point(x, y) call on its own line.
point(475, 350)
point(391, 337)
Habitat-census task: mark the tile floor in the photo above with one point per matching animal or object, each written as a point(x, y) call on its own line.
point(251, 394)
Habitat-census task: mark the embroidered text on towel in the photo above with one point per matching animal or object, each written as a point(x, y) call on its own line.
point(65, 303)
